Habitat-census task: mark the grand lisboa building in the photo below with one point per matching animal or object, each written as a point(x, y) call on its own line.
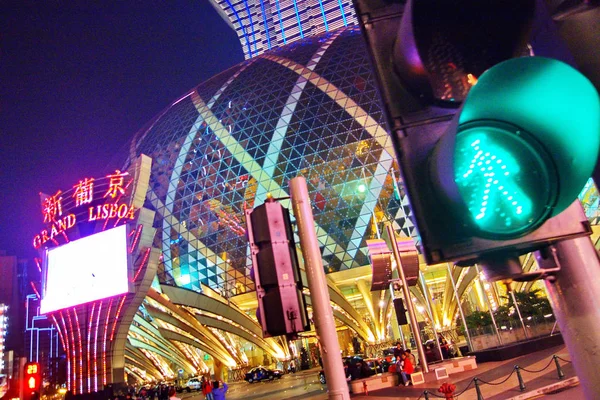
point(303, 103)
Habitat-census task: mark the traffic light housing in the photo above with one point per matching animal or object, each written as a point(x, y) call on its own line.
point(281, 303)
point(479, 125)
point(32, 380)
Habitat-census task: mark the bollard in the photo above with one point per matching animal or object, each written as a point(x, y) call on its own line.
point(521, 383)
point(561, 374)
point(426, 394)
point(448, 390)
point(479, 395)
point(365, 388)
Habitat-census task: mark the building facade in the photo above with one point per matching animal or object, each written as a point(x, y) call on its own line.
point(304, 103)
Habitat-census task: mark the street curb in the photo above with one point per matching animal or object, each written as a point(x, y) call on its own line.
point(547, 389)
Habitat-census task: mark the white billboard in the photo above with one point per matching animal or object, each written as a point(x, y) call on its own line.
point(85, 270)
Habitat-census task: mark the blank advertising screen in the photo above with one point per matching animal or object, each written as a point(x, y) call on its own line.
point(85, 270)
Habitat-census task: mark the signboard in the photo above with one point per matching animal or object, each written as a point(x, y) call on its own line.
point(103, 200)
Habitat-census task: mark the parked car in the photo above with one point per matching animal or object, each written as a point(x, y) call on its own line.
point(192, 384)
point(258, 374)
point(374, 365)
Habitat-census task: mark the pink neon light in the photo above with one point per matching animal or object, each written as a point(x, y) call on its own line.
point(104, 379)
point(138, 233)
point(55, 222)
point(35, 290)
point(146, 255)
point(117, 201)
point(95, 346)
point(112, 333)
point(74, 363)
point(64, 345)
point(87, 353)
point(80, 350)
point(38, 262)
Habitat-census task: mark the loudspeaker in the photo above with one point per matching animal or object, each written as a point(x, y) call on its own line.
point(400, 311)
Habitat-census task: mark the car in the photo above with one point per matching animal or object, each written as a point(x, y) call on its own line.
point(258, 374)
point(192, 384)
point(373, 363)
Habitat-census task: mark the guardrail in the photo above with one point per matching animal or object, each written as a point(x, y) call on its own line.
point(448, 389)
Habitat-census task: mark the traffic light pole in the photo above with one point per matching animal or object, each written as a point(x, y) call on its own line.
point(407, 299)
point(576, 304)
point(319, 294)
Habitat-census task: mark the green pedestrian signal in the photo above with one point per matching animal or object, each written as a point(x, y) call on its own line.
point(499, 192)
point(522, 148)
point(494, 144)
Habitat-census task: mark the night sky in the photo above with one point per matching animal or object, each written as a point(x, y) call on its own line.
point(78, 79)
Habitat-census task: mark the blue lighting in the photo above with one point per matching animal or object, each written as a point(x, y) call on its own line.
point(298, 18)
point(343, 13)
point(239, 20)
point(324, 16)
point(264, 13)
point(280, 22)
point(251, 26)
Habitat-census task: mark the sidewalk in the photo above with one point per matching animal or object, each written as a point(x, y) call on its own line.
point(495, 373)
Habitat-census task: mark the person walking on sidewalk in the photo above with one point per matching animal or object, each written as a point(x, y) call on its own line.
point(219, 390)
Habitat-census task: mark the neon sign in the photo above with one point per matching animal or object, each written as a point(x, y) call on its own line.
point(72, 204)
point(52, 206)
point(55, 229)
point(110, 211)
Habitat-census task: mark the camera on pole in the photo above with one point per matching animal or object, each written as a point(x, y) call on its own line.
point(494, 144)
point(279, 288)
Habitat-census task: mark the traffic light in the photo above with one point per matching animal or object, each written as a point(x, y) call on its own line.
point(492, 141)
point(281, 303)
point(32, 380)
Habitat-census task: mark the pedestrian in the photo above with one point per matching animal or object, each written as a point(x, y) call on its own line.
point(207, 388)
point(172, 394)
point(219, 389)
point(398, 368)
point(406, 369)
point(398, 350)
point(411, 356)
point(163, 392)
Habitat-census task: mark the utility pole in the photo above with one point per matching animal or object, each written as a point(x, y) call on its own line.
point(319, 294)
point(574, 298)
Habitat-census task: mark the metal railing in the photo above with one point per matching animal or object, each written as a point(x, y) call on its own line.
point(477, 381)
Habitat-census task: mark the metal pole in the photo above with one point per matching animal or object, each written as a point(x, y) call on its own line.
point(514, 299)
point(430, 310)
point(576, 305)
point(317, 284)
point(407, 299)
point(402, 337)
point(21, 375)
point(487, 301)
point(458, 303)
